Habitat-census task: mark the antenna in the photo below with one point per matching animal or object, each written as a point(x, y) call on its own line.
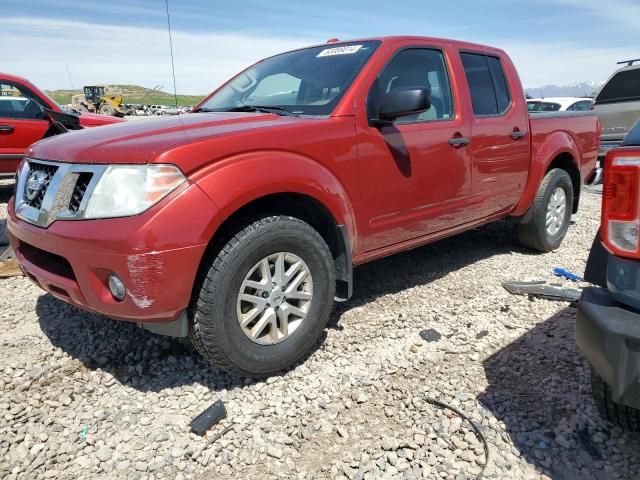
point(173, 67)
point(69, 74)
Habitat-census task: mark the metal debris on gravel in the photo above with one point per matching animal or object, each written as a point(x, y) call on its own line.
point(83, 396)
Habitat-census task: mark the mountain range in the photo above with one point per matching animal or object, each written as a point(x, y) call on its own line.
point(584, 89)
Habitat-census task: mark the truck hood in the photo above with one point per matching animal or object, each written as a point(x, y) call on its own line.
point(142, 141)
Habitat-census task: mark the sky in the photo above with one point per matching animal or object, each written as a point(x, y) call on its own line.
point(556, 42)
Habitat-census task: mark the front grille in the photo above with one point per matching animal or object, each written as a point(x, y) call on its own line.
point(37, 196)
point(78, 191)
point(48, 191)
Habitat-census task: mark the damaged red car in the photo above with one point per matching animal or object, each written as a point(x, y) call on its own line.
point(27, 115)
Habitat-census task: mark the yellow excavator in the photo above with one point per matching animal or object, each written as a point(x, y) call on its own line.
point(95, 100)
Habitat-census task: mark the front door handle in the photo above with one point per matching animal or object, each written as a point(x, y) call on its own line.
point(517, 134)
point(7, 128)
point(459, 141)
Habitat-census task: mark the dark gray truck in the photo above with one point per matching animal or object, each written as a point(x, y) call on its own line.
point(608, 318)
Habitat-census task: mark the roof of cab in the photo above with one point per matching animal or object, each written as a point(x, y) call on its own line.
point(404, 38)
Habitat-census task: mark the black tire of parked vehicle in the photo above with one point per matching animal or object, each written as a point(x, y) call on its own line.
point(625, 417)
point(214, 327)
point(534, 234)
point(107, 109)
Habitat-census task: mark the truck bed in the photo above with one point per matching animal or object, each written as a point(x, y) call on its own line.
point(578, 125)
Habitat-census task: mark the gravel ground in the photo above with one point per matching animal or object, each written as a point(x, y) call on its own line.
point(83, 396)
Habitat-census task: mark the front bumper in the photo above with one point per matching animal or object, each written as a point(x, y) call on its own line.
point(608, 334)
point(156, 254)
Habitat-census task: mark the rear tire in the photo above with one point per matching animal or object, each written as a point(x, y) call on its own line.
point(215, 324)
point(545, 230)
point(627, 418)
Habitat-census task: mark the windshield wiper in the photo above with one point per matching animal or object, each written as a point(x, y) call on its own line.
point(201, 109)
point(261, 108)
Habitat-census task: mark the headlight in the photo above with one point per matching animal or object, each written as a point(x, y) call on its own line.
point(125, 190)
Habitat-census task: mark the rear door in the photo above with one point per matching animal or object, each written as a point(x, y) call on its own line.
point(500, 144)
point(414, 182)
point(22, 122)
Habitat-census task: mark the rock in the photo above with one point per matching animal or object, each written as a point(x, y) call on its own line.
point(388, 443)
point(274, 451)
point(362, 398)
point(104, 454)
point(430, 335)
point(177, 452)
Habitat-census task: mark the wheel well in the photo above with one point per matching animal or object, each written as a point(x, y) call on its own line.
point(296, 205)
point(565, 162)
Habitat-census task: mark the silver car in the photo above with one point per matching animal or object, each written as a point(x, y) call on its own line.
point(618, 105)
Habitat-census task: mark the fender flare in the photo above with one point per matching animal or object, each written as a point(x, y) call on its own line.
point(555, 144)
point(237, 181)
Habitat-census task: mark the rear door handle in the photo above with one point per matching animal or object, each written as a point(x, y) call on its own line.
point(517, 134)
point(459, 141)
point(7, 128)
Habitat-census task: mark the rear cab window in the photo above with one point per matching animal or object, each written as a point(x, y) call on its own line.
point(488, 86)
point(624, 86)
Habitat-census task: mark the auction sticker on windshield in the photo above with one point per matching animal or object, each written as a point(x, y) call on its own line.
point(347, 50)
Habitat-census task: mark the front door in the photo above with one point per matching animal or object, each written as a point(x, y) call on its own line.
point(22, 122)
point(416, 173)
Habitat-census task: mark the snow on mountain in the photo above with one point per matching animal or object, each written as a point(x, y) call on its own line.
point(583, 89)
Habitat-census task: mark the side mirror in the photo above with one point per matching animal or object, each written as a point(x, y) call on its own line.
point(404, 101)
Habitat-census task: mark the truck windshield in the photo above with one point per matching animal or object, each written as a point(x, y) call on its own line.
point(633, 137)
point(310, 81)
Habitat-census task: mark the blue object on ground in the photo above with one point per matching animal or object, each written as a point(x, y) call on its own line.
point(561, 272)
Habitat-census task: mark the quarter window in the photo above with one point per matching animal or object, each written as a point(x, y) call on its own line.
point(487, 84)
point(419, 68)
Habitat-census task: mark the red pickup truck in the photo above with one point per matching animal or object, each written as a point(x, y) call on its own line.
point(240, 223)
point(28, 115)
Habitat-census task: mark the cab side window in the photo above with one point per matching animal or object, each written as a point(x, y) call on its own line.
point(488, 85)
point(418, 68)
point(13, 104)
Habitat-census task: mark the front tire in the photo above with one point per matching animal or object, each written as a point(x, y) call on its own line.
point(266, 297)
point(551, 213)
point(627, 418)
point(106, 109)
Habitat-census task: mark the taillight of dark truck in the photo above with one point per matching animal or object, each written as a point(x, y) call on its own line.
point(621, 202)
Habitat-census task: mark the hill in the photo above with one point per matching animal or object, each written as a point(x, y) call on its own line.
point(131, 94)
